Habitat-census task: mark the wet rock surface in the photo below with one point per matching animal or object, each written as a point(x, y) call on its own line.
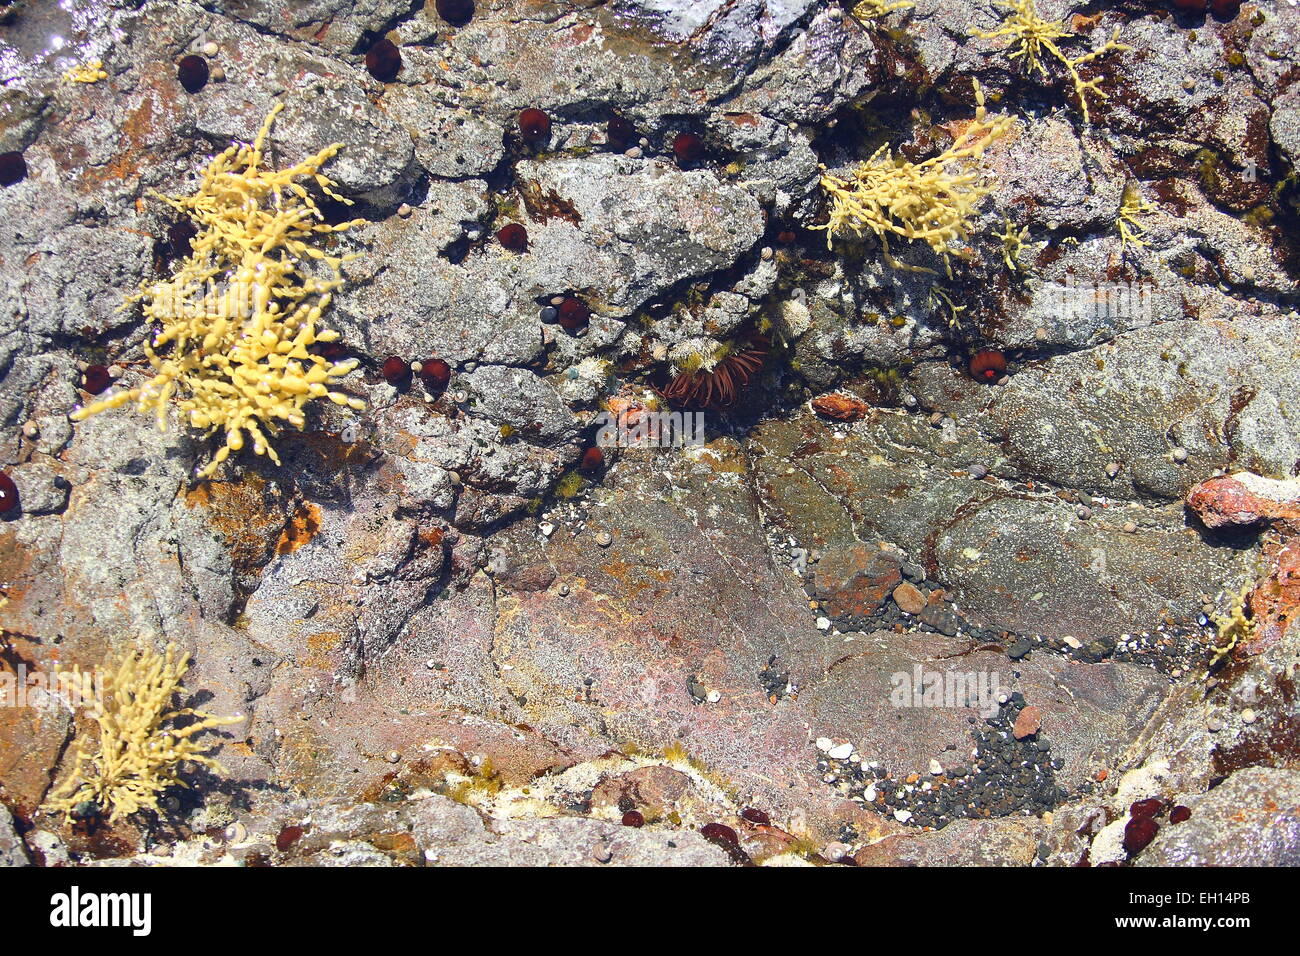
point(883, 610)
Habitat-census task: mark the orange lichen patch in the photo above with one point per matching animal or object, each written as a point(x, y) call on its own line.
point(319, 646)
point(247, 514)
point(742, 119)
point(301, 528)
point(138, 134)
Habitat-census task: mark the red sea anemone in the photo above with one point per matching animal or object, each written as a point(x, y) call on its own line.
point(13, 168)
point(719, 387)
point(719, 833)
point(513, 237)
point(192, 71)
point(1225, 9)
point(687, 147)
point(395, 370)
point(593, 462)
point(619, 132)
point(534, 125)
point(573, 314)
point(95, 379)
point(384, 60)
point(634, 818)
point(1139, 832)
point(988, 366)
point(456, 12)
point(435, 374)
point(8, 494)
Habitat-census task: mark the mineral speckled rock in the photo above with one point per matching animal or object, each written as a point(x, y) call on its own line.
point(454, 640)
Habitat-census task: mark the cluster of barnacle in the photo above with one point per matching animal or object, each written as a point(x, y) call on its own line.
point(236, 321)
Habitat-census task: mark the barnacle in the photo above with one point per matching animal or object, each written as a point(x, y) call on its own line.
point(236, 320)
point(926, 201)
point(1030, 35)
point(1133, 206)
point(715, 379)
point(140, 748)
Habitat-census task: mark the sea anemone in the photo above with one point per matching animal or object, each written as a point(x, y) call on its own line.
point(717, 381)
point(988, 366)
point(95, 379)
point(435, 374)
point(192, 71)
point(687, 147)
point(593, 462)
point(13, 168)
point(8, 494)
point(395, 370)
point(513, 237)
point(384, 60)
point(534, 125)
point(456, 12)
point(619, 132)
point(573, 314)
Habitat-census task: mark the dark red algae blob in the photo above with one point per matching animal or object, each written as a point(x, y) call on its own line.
point(13, 168)
point(620, 133)
point(719, 833)
point(756, 816)
point(384, 60)
point(687, 147)
point(456, 12)
point(1138, 832)
point(513, 237)
point(633, 818)
point(1146, 808)
point(435, 374)
point(593, 462)
point(534, 125)
point(988, 366)
point(1180, 814)
point(192, 71)
point(8, 494)
point(573, 314)
point(95, 379)
point(288, 837)
point(1225, 9)
point(395, 370)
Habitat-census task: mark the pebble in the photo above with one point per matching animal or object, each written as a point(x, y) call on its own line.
point(936, 768)
point(217, 74)
point(714, 696)
point(604, 539)
point(902, 816)
point(404, 210)
point(909, 598)
point(546, 528)
point(824, 744)
point(1247, 716)
point(1028, 722)
point(633, 153)
point(823, 623)
point(211, 49)
point(1180, 454)
point(842, 752)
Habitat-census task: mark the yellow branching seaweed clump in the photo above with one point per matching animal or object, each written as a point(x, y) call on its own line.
point(238, 316)
point(874, 9)
point(140, 750)
point(932, 201)
point(1130, 229)
point(1031, 35)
